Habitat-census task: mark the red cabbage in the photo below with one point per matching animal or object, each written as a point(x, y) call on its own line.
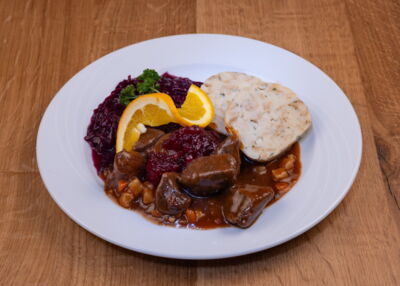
point(102, 129)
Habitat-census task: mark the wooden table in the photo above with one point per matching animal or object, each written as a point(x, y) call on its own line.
point(44, 43)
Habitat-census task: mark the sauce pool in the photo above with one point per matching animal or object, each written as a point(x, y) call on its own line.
point(208, 210)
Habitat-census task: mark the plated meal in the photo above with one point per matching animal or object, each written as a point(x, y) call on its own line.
point(180, 127)
point(198, 154)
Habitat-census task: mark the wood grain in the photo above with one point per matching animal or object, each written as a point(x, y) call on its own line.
point(44, 43)
point(380, 71)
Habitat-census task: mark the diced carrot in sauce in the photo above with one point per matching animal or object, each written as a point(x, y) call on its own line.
point(260, 170)
point(155, 213)
point(288, 162)
point(279, 174)
point(148, 196)
point(135, 187)
point(125, 199)
point(191, 216)
point(148, 185)
point(282, 187)
point(199, 214)
point(122, 185)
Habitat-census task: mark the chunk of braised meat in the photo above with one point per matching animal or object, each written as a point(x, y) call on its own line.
point(158, 146)
point(148, 139)
point(169, 199)
point(209, 174)
point(169, 128)
point(230, 146)
point(129, 162)
point(244, 203)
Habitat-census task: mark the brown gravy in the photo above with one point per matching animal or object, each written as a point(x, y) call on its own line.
point(208, 210)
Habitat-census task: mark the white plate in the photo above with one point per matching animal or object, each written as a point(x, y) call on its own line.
point(331, 151)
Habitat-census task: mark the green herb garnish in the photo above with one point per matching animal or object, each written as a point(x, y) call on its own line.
point(148, 82)
point(127, 94)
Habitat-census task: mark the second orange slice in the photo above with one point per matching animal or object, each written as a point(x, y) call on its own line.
point(197, 108)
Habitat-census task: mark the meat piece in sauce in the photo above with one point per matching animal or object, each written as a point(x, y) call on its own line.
point(158, 146)
point(230, 146)
point(130, 163)
point(209, 174)
point(169, 199)
point(244, 203)
point(148, 139)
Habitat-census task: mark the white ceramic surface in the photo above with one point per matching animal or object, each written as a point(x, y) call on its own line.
point(331, 151)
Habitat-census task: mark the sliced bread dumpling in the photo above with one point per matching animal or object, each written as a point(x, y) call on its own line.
point(267, 121)
point(223, 88)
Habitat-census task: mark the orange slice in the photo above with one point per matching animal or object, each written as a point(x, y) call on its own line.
point(197, 108)
point(153, 109)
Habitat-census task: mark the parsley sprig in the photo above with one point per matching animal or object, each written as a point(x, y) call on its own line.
point(147, 83)
point(127, 94)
